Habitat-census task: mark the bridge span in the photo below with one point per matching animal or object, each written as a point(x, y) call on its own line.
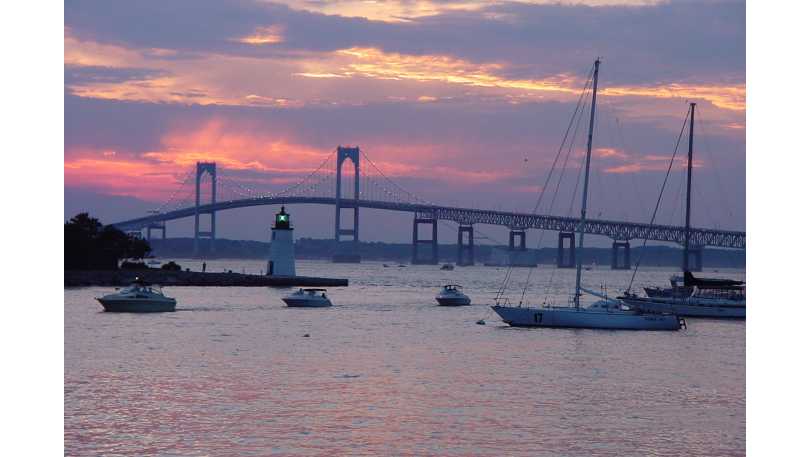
point(315, 189)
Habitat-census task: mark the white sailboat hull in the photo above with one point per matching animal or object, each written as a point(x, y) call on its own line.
point(567, 317)
point(690, 307)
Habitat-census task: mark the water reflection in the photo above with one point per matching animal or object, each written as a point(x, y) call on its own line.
point(386, 372)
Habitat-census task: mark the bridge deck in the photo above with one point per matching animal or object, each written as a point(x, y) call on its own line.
point(613, 229)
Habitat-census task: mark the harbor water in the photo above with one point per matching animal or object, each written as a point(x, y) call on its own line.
point(387, 372)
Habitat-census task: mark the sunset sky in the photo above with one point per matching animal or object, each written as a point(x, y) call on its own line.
point(460, 102)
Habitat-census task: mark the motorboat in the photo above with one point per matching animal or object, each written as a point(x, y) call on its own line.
point(308, 298)
point(610, 316)
point(447, 267)
point(138, 298)
point(451, 295)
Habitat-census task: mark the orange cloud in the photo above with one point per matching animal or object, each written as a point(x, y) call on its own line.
point(730, 97)
point(407, 10)
point(264, 35)
point(610, 153)
point(152, 174)
point(377, 64)
point(652, 162)
point(216, 79)
point(131, 177)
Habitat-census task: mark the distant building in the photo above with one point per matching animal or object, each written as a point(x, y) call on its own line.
point(282, 253)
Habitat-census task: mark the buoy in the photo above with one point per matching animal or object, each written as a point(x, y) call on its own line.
point(481, 322)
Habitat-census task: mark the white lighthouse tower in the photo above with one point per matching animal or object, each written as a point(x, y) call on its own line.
point(282, 254)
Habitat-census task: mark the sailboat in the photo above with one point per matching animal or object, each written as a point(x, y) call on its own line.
point(688, 295)
point(597, 317)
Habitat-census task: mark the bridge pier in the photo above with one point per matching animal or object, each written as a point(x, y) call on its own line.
point(347, 252)
point(569, 260)
point(623, 262)
point(156, 226)
point(695, 257)
point(519, 256)
point(466, 251)
point(416, 259)
point(211, 169)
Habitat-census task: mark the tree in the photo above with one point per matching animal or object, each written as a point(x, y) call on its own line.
point(89, 245)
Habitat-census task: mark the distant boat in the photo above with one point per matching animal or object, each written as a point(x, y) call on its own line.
point(690, 296)
point(451, 295)
point(447, 267)
point(308, 298)
point(697, 297)
point(153, 262)
point(576, 316)
point(137, 298)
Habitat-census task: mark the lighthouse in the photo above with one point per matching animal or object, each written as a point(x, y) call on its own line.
point(282, 254)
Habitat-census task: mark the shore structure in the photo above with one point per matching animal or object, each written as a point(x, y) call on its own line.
point(282, 250)
point(86, 278)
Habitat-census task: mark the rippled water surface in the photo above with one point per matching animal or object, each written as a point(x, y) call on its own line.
point(387, 372)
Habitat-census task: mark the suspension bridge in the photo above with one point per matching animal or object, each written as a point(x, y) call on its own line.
point(374, 190)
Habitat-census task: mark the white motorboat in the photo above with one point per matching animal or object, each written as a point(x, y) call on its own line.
point(598, 317)
point(308, 298)
point(451, 295)
point(138, 298)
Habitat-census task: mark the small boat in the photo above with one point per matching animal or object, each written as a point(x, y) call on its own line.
point(447, 267)
point(137, 298)
point(307, 298)
point(451, 295)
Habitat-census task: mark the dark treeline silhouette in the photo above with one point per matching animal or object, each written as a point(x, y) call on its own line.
point(309, 248)
point(89, 245)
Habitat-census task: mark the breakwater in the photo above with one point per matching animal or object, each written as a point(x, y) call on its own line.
point(193, 278)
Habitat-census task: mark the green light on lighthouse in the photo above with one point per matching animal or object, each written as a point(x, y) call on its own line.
point(282, 220)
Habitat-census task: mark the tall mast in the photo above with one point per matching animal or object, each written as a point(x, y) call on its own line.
point(585, 186)
point(688, 188)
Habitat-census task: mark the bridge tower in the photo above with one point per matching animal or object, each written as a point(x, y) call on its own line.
point(347, 252)
point(466, 250)
point(620, 262)
point(211, 169)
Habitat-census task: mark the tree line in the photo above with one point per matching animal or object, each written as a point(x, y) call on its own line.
point(90, 245)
